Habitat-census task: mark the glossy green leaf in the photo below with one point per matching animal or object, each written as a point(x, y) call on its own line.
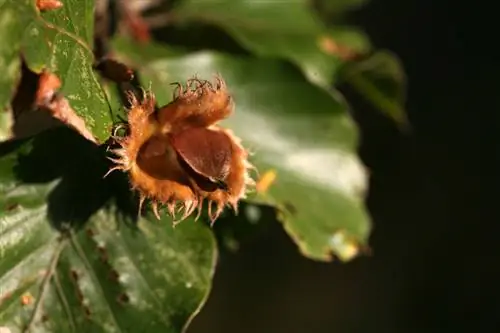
point(73, 256)
point(287, 29)
point(382, 81)
point(292, 127)
point(61, 41)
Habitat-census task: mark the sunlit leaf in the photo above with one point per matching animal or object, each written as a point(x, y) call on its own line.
point(61, 41)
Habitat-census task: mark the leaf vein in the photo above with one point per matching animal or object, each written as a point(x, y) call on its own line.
point(87, 264)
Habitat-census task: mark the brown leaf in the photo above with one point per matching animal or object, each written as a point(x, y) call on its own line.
point(60, 109)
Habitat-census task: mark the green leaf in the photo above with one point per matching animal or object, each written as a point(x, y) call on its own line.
point(285, 29)
point(292, 127)
point(382, 81)
point(61, 41)
point(72, 250)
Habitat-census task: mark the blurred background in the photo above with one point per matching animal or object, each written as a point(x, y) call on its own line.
point(435, 240)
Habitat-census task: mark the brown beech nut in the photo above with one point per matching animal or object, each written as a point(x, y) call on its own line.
point(179, 157)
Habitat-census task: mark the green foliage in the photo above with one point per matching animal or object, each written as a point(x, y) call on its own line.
point(105, 270)
point(285, 29)
point(75, 256)
point(60, 41)
point(293, 128)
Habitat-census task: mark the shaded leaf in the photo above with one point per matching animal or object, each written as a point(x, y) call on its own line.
point(337, 7)
point(286, 29)
point(59, 40)
point(292, 127)
point(251, 224)
point(72, 258)
point(382, 81)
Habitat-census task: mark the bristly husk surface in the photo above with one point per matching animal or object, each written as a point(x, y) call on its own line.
point(178, 157)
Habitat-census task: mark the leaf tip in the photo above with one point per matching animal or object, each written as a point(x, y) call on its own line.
point(345, 247)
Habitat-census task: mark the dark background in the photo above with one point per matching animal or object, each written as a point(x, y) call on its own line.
point(432, 198)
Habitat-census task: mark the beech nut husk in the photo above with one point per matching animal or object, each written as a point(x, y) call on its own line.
point(179, 157)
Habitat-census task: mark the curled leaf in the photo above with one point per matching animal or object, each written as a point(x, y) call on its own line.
point(60, 109)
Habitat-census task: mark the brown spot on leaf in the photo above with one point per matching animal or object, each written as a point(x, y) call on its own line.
point(27, 299)
point(290, 207)
point(103, 254)
point(79, 295)
point(87, 311)
point(90, 232)
point(123, 298)
point(113, 275)
point(10, 207)
point(74, 275)
point(330, 46)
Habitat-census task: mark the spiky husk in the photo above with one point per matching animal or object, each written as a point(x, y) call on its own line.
point(153, 164)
